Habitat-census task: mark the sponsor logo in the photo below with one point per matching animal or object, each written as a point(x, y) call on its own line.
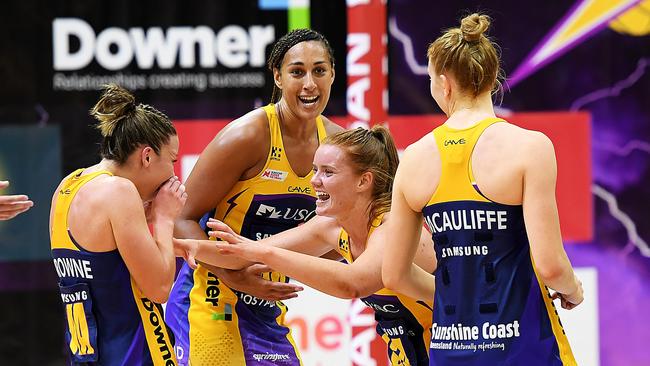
point(115, 48)
point(255, 301)
point(464, 251)
point(271, 357)
point(296, 214)
point(226, 315)
point(272, 174)
point(344, 245)
point(455, 142)
point(212, 291)
point(267, 211)
point(276, 153)
point(298, 189)
point(386, 308)
point(66, 191)
point(488, 331)
point(157, 323)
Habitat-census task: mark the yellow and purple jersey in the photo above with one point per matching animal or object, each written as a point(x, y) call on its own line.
point(109, 320)
point(490, 306)
point(402, 322)
point(217, 325)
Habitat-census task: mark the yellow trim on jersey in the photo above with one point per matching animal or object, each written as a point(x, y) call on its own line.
point(456, 147)
point(566, 354)
point(281, 320)
point(158, 341)
point(64, 197)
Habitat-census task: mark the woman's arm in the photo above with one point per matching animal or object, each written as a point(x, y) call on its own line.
point(220, 166)
point(542, 222)
point(359, 279)
point(404, 229)
point(312, 238)
point(150, 260)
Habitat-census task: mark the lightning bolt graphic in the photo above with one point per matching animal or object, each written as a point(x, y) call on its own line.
point(625, 150)
point(640, 70)
point(584, 20)
point(623, 218)
point(407, 45)
point(232, 202)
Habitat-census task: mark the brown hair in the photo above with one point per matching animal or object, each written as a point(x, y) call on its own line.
point(371, 151)
point(470, 56)
point(125, 126)
point(289, 40)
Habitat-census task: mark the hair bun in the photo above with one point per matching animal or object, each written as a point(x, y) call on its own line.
point(473, 26)
point(113, 106)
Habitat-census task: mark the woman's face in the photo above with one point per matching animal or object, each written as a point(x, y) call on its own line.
point(160, 167)
point(306, 78)
point(335, 181)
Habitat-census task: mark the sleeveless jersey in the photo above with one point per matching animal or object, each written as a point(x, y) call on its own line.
point(490, 306)
point(216, 325)
point(109, 321)
point(402, 322)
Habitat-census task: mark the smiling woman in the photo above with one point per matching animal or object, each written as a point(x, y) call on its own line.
point(353, 176)
point(221, 316)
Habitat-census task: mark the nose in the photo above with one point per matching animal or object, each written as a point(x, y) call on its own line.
point(309, 82)
point(315, 179)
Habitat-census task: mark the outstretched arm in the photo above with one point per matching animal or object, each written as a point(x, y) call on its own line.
point(361, 278)
point(12, 205)
point(311, 238)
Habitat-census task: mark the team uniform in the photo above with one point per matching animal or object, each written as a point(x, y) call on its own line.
point(109, 320)
point(402, 322)
point(216, 325)
point(490, 306)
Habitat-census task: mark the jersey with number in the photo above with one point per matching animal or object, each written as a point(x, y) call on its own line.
point(217, 325)
point(491, 308)
point(402, 322)
point(109, 320)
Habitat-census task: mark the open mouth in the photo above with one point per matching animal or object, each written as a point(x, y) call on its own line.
point(309, 100)
point(322, 196)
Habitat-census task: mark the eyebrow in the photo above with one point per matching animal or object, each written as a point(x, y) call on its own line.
point(300, 63)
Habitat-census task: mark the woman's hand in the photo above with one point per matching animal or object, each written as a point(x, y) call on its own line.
point(186, 248)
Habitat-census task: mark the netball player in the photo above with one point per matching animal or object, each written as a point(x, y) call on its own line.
point(486, 190)
point(353, 176)
point(112, 271)
point(255, 177)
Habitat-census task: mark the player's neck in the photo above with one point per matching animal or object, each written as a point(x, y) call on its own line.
point(292, 125)
point(356, 222)
point(466, 112)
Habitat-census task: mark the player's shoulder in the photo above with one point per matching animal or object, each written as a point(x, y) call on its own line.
point(420, 149)
point(250, 128)
point(111, 188)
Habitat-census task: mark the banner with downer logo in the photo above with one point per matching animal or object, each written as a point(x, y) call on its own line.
point(201, 59)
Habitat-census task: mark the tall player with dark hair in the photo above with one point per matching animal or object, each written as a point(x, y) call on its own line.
point(254, 176)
